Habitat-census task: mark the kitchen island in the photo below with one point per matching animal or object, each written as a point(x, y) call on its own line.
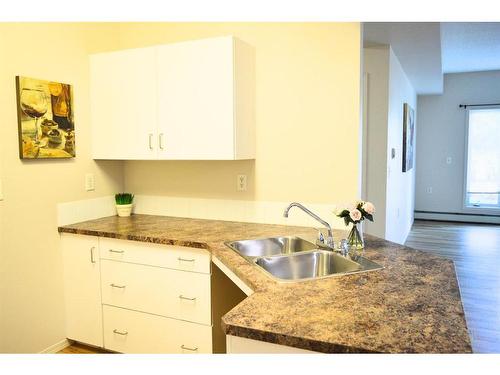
point(412, 305)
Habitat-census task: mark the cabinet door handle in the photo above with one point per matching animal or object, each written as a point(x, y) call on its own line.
point(117, 286)
point(188, 348)
point(185, 260)
point(92, 260)
point(124, 333)
point(116, 251)
point(150, 141)
point(187, 298)
point(160, 140)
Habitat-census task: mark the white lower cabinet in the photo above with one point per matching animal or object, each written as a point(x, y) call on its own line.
point(161, 291)
point(149, 304)
point(82, 288)
point(129, 331)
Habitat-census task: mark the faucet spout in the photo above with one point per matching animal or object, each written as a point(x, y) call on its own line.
point(329, 240)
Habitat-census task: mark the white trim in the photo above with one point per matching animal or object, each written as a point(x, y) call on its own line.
point(235, 279)
point(460, 218)
point(57, 347)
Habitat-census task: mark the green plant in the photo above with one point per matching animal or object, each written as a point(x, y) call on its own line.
point(124, 198)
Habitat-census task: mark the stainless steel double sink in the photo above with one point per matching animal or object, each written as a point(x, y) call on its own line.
point(291, 258)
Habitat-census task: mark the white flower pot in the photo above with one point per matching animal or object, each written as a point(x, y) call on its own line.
point(124, 210)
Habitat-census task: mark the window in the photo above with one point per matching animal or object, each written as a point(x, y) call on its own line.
point(483, 159)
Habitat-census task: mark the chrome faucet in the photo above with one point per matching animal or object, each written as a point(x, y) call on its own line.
point(329, 239)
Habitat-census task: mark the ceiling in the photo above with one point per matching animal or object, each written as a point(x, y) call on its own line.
point(470, 46)
point(426, 50)
point(418, 48)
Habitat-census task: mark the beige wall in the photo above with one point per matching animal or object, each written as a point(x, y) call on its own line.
point(31, 297)
point(307, 100)
point(308, 149)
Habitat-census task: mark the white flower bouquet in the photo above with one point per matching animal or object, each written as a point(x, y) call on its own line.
point(355, 214)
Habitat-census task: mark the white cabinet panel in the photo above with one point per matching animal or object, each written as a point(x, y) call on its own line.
point(168, 256)
point(124, 104)
point(175, 294)
point(128, 331)
point(82, 288)
point(196, 99)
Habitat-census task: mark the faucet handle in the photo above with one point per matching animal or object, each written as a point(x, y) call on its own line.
point(321, 238)
point(344, 247)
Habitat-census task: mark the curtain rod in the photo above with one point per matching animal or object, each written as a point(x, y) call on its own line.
point(478, 105)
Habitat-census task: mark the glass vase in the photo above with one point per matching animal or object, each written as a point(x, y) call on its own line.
point(355, 239)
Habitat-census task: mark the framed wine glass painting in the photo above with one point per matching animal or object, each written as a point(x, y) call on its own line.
point(45, 119)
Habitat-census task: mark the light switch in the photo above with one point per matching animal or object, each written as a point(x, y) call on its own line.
point(1, 190)
point(89, 182)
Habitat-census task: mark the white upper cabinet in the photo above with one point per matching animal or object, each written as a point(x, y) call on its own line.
point(191, 100)
point(123, 104)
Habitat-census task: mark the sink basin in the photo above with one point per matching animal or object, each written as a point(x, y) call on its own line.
point(290, 258)
point(308, 265)
point(271, 246)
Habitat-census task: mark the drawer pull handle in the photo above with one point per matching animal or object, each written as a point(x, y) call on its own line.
point(120, 333)
point(92, 260)
point(117, 286)
point(188, 348)
point(187, 298)
point(116, 251)
point(185, 260)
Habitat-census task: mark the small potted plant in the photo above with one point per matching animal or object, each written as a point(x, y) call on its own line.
point(124, 203)
point(355, 214)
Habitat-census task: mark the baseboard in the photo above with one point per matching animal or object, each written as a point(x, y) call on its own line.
point(461, 218)
point(58, 346)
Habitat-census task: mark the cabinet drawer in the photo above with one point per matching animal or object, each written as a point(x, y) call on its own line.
point(128, 331)
point(168, 256)
point(172, 293)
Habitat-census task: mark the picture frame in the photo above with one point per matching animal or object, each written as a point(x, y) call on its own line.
point(408, 153)
point(45, 116)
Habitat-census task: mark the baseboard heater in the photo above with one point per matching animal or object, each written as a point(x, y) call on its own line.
point(457, 216)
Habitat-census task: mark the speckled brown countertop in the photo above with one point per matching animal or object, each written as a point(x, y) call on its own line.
point(413, 305)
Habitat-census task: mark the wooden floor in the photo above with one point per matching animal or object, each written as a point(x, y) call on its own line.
point(475, 248)
point(77, 348)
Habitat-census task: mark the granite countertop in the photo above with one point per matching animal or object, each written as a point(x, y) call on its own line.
point(413, 305)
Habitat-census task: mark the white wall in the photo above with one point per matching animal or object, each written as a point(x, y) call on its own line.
point(391, 190)
point(400, 186)
point(441, 134)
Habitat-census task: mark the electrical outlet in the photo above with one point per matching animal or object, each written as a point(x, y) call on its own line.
point(241, 182)
point(89, 182)
point(448, 160)
point(429, 190)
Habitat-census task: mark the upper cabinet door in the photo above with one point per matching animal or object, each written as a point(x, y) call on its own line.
point(124, 104)
point(196, 100)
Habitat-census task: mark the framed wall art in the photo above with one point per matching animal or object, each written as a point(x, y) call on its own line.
point(408, 137)
point(45, 119)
